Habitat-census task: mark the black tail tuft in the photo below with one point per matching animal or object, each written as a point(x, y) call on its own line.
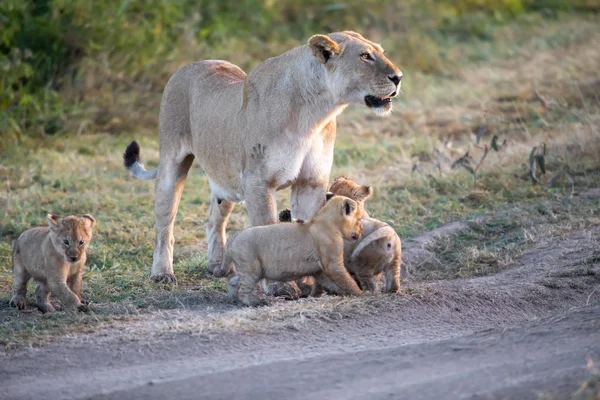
point(285, 215)
point(131, 155)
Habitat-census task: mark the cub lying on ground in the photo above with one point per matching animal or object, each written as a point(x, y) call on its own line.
point(378, 252)
point(289, 251)
point(54, 256)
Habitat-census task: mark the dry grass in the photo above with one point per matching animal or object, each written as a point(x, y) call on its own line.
point(539, 83)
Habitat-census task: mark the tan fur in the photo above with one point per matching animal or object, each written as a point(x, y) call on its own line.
point(379, 252)
point(43, 254)
point(214, 113)
point(380, 249)
point(289, 251)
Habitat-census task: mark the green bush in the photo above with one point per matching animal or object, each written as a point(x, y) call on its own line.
point(47, 45)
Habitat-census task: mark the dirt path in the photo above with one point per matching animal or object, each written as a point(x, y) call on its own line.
point(527, 329)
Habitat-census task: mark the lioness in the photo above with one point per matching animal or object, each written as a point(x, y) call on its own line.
point(54, 256)
point(378, 252)
point(289, 251)
point(213, 112)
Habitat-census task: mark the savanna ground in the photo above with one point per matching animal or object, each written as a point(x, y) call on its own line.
point(526, 93)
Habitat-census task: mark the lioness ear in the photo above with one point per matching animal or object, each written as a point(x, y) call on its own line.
point(323, 48)
point(88, 220)
point(328, 196)
point(53, 221)
point(349, 206)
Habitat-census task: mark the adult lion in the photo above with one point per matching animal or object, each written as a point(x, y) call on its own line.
point(213, 112)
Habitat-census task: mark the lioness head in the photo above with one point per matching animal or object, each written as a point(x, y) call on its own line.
point(71, 235)
point(343, 186)
point(358, 70)
point(344, 214)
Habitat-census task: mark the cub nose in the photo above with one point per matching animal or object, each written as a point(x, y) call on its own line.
point(395, 78)
point(73, 258)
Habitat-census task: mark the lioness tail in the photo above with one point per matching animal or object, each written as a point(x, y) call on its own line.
point(131, 160)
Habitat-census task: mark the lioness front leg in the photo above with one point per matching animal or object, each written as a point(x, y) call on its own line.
point(259, 193)
point(218, 215)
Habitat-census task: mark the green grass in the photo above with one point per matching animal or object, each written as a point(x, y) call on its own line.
point(486, 82)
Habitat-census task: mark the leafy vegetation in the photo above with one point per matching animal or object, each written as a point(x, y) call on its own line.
point(60, 57)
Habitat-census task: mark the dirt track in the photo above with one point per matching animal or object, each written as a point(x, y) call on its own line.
point(524, 331)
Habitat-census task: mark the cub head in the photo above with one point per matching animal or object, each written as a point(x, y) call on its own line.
point(357, 70)
point(71, 235)
point(343, 186)
point(344, 214)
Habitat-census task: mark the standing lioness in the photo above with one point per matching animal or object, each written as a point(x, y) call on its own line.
point(213, 112)
point(289, 251)
point(54, 256)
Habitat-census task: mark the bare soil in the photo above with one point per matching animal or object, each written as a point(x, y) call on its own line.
point(525, 331)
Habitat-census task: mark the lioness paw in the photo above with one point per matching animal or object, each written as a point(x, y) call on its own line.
point(164, 278)
point(18, 301)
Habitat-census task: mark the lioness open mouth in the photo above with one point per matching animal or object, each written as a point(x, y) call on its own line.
point(377, 102)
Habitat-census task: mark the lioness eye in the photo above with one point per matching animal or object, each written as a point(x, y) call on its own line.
point(366, 56)
point(81, 242)
point(66, 242)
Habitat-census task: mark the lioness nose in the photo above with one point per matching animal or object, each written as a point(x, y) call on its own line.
point(395, 78)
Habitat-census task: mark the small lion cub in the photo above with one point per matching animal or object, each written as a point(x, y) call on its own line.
point(289, 251)
point(54, 256)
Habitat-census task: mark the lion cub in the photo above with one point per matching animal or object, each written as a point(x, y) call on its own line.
point(379, 252)
point(54, 256)
point(289, 251)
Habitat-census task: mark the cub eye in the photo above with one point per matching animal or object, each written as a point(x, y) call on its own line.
point(366, 57)
point(81, 242)
point(66, 242)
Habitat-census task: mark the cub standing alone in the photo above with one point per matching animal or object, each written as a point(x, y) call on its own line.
point(289, 251)
point(54, 256)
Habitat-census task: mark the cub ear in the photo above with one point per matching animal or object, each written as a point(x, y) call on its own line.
point(323, 48)
point(366, 191)
point(349, 206)
point(328, 196)
point(53, 221)
point(88, 220)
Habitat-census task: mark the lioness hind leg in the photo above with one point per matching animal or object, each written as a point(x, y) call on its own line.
point(218, 215)
point(20, 279)
point(42, 298)
point(169, 186)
